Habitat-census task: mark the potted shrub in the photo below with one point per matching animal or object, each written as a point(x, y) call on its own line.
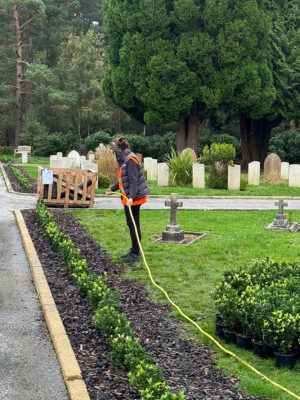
point(282, 331)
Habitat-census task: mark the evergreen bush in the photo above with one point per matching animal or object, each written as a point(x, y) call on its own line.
point(218, 156)
point(286, 145)
point(93, 141)
point(103, 181)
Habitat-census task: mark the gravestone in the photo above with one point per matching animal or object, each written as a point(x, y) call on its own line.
point(191, 152)
point(91, 157)
point(24, 157)
point(253, 173)
point(59, 155)
point(272, 168)
point(198, 176)
point(294, 177)
point(285, 169)
point(139, 157)
point(173, 231)
point(281, 222)
point(162, 174)
point(152, 170)
point(82, 159)
point(76, 156)
point(147, 162)
point(234, 177)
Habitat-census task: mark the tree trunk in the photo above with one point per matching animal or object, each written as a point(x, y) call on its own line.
point(187, 134)
point(18, 117)
point(28, 55)
point(255, 135)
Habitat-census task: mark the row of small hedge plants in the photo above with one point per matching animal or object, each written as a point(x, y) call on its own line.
point(262, 301)
point(20, 177)
point(126, 349)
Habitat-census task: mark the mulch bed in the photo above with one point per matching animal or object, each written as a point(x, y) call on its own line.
point(14, 181)
point(187, 366)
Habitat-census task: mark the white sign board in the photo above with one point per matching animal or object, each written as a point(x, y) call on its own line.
point(47, 177)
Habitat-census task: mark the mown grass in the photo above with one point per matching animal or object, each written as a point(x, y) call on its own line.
point(281, 189)
point(189, 273)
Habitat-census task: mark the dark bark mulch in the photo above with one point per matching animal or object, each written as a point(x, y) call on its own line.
point(187, 366)
point(17, 187)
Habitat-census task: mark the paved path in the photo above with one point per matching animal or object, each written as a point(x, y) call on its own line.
point(29, 368)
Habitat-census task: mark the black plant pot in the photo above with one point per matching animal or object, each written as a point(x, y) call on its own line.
point(229, 336)
point(219, 319)
point(285, 360)
point(244, 342)
point(220, 329)
point(258, 348)
point(268, 350)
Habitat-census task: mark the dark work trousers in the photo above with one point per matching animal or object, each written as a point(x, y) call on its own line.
point(136, 215)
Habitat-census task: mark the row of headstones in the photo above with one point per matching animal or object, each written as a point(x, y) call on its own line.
point(272, 171)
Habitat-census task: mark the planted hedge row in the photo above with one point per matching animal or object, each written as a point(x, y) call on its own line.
point(262, 301)
point(126, 349)
point(21, 178)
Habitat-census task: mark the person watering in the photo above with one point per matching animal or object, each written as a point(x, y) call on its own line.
point(131, 183)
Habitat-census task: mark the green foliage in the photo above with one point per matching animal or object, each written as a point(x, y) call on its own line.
point(219, 156)
point(93, 141)
point(6, 150)
point(20, 177)
point(143, 374)
point(287, 145)
point(244, 183)
point(261, 299)
point(180, 166)
point(35, 134)
point(126, 349)
point(207, 137)
point(103, 181)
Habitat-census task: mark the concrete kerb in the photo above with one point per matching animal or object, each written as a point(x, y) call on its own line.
point(70, 369)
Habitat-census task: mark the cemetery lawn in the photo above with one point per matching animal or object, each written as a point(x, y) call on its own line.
point(189, 273)
point(263, 190)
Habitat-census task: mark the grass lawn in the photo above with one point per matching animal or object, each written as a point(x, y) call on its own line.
point(189, 273)
point(263, 190)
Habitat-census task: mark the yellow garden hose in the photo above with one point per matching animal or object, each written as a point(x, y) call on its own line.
point(197, 326)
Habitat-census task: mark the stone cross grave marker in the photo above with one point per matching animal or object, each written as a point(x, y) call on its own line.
point(280, 203)
point(173, 204)
point(173, 232)
point(281, 222)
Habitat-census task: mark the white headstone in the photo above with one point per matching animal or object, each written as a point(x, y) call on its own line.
point(234, 177)
point(294, 177)
point(254, 173)
point(82, 158)
point(51, 159)
point(24, 157)
point(91, 157)
point(198, 176)
point(74, 154)
point(91, 166)
point(59, 156)
point(57, 163)
point(162, 174)
point(152, 170)
point(147, 162)
point(285, 168)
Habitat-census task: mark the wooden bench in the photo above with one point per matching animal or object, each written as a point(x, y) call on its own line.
point(70, 187)
point(20, 150)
